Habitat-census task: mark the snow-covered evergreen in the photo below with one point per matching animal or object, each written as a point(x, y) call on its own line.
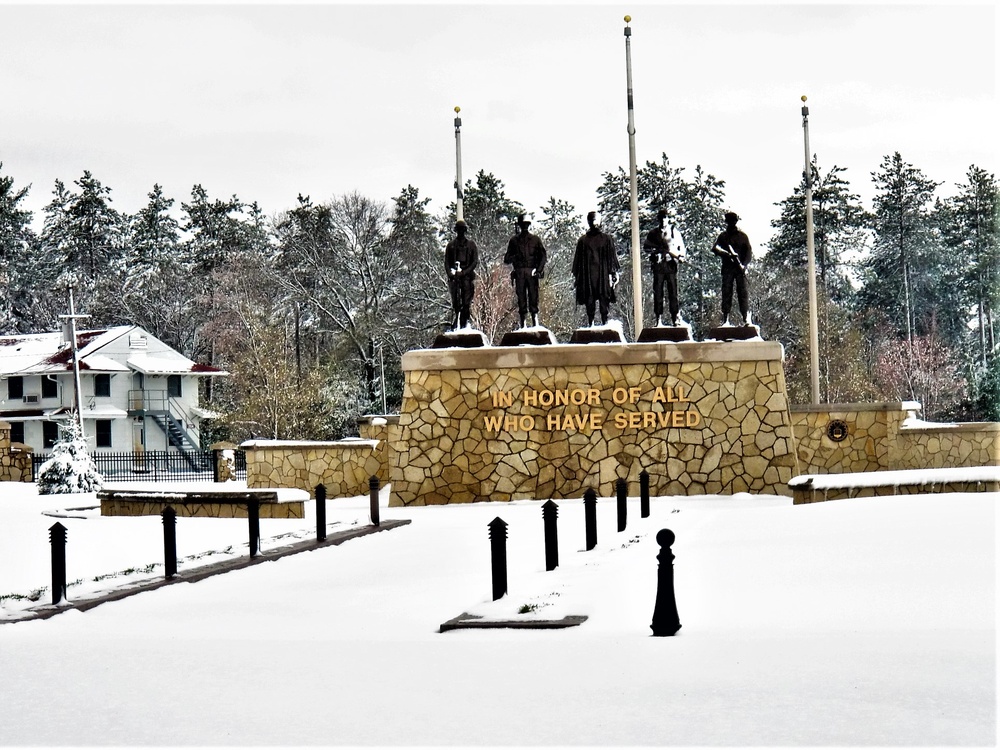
point(70, 469)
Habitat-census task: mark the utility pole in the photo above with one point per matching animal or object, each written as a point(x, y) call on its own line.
point(633, 190)
point(811, 254)
point(71, 335)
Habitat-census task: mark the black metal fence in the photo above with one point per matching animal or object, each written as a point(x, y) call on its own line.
point(153, 466)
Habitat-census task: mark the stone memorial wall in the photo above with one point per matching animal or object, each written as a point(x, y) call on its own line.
point(15, 458)
point(850, 438)
point(344, 466)
point(549, 422)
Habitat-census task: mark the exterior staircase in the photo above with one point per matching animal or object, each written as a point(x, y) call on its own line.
point(178, 438)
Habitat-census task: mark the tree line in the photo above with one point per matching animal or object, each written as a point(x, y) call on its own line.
point(311, 309)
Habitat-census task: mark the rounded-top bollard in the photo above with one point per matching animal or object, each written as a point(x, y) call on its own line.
point(665, 619)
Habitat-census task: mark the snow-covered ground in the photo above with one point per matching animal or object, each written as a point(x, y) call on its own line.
point(854, 622)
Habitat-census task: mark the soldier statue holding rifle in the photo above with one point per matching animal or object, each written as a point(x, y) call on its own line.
point(526, 255)
point(460, 260)
point(733, 246)
point(666, 250)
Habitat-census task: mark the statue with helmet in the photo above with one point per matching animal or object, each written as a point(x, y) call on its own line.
point(461, 257)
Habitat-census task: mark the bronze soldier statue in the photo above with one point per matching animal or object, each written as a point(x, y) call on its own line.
point(595, 270)
point(733, 246)
point(460, 260)
point(665, 250)
point(526, 254)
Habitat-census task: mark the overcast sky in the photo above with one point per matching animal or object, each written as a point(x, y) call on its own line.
point(267, 101)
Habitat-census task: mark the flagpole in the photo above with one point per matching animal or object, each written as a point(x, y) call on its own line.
point(811, 254)
point(633, 190)
point(458, 166)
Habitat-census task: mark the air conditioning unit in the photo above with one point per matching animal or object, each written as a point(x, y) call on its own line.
point(31, 398)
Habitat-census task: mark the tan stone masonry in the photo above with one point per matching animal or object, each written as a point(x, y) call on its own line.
point(540, 422)
point(15, 458)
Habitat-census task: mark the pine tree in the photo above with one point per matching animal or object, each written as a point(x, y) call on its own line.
point(70, 468)
point(16, 248)
point(898, 275)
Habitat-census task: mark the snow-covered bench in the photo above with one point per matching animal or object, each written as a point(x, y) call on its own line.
point(211, 501)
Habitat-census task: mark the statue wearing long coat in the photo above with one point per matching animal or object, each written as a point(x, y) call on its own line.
point(596, 259)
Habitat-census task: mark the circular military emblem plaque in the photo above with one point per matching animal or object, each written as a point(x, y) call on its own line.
point(837, 430)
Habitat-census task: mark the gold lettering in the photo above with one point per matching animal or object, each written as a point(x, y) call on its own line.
point(562, 397)
point(621, 420)
point(634, 393)
point(545, 398)
point(577, 396)
point(693, 418)
point(594, 397)
point(635, 419)
point(596, 420)
point(648, 419)
point(493, 423)
point(664, 418)
point(659, 396)
point(530, 398)
point(502, 398)
point(552, 422)
point(678, 418)
point(680, 394)
point(619, 395)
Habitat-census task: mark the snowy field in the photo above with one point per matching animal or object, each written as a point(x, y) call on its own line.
point(853, 622)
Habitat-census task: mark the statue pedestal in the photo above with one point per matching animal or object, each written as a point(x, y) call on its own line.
point(665, 333)
point(549, 422)
point(734, 333)
point(598, 335)
point(528, 337)
point(465, 338)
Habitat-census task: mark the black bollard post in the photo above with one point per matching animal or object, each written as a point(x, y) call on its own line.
point(644, 494)
point(320, 512)
point(253, 514)
point(498, 548)
point(621, 488)
point(373, 499)
point(57, 538)
point(665, 619)
point(169, 516)
point(550, 512)
point(590, 517)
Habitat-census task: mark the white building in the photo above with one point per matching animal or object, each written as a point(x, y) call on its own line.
point(137, 392)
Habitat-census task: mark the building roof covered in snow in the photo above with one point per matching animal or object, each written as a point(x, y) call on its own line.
point(107, 350)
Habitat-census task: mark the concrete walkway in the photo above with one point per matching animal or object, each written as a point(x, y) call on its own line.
point(45, 611)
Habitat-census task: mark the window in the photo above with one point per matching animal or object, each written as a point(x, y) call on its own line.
point(15, 388)
point(102, 427)
point(50, 434)
point(102, 385)
point(17, 432)
point(50, 387)
point(174, 386)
